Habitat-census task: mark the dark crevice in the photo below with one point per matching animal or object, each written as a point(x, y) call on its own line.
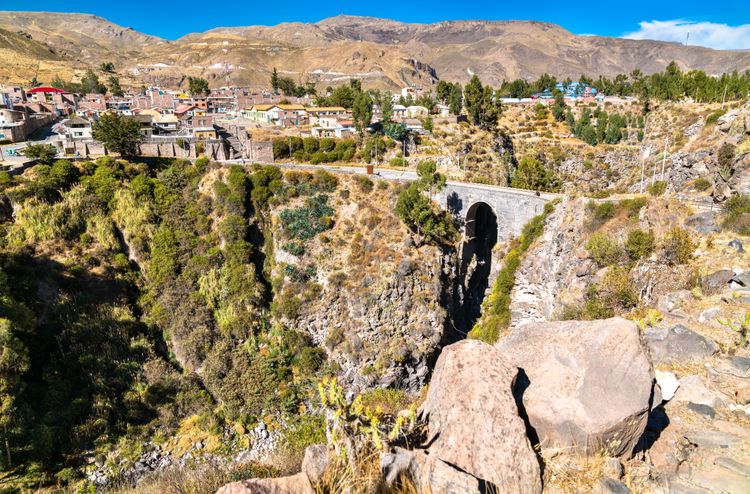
point(474, 267)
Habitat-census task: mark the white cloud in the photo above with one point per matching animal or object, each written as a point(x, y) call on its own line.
point(709, 34)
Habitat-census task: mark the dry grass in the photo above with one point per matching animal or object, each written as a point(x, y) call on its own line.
point(201, 479)
point(359, 477)
point(569, 472)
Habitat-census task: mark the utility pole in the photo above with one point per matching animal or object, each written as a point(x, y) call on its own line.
point(290, 147)
point(646, 152)
point(664, 159)
point(723, 98)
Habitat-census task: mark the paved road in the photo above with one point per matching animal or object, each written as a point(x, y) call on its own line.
point(46, 135)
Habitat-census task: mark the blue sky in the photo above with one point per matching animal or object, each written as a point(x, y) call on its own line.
point(724, 27)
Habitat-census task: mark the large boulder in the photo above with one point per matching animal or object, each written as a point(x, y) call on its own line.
point(473, 421)
point(678, 345)
point(426, 472)
point(314, 465)
point(294, 484)
point(718, 281)
point(585, 385)
point(704, 223)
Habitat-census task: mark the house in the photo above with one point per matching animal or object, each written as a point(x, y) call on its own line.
point(413, 125)
point(399, 111)
point(443, 110)
point(258, 113)
point(417, 111)
point(205, 133)
point(165, 123)
point(287, 115)
point(219, 104)
point(145, 122)
point(77, 128)
point(315, 113)
point(332, 127)
point(22, 121)
point(184, 111)
point(199, 121)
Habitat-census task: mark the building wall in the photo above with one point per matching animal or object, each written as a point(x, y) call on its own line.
point(216, 150)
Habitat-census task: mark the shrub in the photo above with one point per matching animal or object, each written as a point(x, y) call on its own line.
point(714, 117)
point(604, 250)
point(364, 183)
point(310, 145)
point(657, 188)
point(398, 162)
point(280, 148)
point(633, 206)
point(737, 214)
point(639, 244)
point(678, 247)
point(602, 211)
point(327, 144)
point(726, 160)
point(701, 184)
point(614, 293)
point(305, 222)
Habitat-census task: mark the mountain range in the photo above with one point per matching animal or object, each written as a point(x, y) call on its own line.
point(382, 53)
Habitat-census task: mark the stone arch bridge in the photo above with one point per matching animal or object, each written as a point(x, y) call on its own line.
point(512, 208)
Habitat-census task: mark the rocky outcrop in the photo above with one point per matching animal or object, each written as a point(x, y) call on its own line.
point(294, 484)
point(427, 473)
point(677, 344)
point(473, 422)
point(364, 290)
point(582, 385)
point(548, 277)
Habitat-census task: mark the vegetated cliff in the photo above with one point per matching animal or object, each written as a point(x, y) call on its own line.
point(203, 303)
point(678, 143)
point(374, 300)
point(546, 277)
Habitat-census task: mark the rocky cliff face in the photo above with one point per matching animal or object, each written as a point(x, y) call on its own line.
point(551, 274)
point(374, 300)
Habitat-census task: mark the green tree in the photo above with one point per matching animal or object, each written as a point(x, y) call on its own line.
point(456, 99)
point(386, 107)
point(481, 105)
point(443, 91)
point(90, 83)
point(107, 67)
point(44, 153)
point(559, 107)
point(362, 113)
point(119, 134)
point(198, 86)
point(275, 80)
point(114, 86)
point(429, 178)
point(533, 175)
point(420, 214)
point(14, 362)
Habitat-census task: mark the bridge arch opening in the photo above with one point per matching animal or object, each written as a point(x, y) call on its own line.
point(481, 234)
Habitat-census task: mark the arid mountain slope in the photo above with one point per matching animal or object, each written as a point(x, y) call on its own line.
point(84, 37)
point(383, 53)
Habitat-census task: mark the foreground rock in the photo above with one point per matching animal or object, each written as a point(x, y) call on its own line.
point(473, 421)
point(583, 385)
point(314, 465)
point(294, 484)
point(427, 473)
